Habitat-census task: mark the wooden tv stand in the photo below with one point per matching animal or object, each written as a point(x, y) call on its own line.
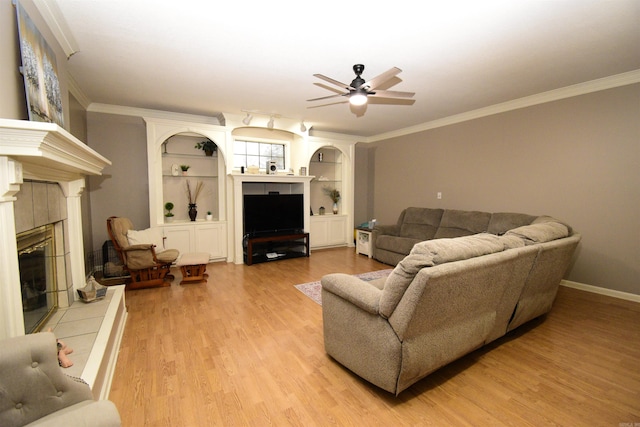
point(276, 247)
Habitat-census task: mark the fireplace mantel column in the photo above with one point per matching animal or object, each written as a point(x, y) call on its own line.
point(72, 191)
point(11, 319)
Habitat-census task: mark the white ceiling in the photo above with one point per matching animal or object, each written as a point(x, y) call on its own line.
point(205, 57)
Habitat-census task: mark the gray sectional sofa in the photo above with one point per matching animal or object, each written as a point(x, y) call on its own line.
point(448, 296)
point(391, 243)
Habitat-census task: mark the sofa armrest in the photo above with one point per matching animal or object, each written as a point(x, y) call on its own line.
point(392, 230)
point(382, 230)
point(358, 292)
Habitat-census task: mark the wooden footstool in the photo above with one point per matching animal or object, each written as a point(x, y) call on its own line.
point(193, 267)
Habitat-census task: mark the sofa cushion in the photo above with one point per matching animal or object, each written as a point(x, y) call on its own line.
point(501, 222)
point(150, 235)
point(420, 223)
point(456, 223)
point(430, 253)
point(401, 245)
point(540, 232)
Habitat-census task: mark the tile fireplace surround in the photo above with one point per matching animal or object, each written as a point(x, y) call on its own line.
point(35, 156)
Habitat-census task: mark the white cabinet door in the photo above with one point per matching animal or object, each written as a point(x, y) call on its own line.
point(319, 234)
point(179, 238)
point(336, 231)
point(211, 238)
point(328, 230)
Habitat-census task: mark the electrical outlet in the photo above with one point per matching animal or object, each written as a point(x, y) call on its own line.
point(439, 195)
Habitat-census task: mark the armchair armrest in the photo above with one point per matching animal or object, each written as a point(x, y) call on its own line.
point(139, 247)
point(140, 256)
point(356, 291)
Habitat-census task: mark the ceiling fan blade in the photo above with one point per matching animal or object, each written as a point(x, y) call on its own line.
point(379, 79)
point(374, 100)
point(327, 87)
point(332, 81)
point(392, 94)
point(326, 105)
point(326, 97)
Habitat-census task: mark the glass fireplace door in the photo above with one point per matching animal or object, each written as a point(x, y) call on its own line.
point(36, 258)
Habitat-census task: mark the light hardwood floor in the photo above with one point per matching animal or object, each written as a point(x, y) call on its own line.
point(246, 348)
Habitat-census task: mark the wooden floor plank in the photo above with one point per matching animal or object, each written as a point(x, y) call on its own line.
point(246, 348)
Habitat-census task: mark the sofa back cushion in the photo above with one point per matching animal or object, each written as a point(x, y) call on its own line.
point(428, 254)
point(456, 223)
point(420, 223)
point(540, 232)
point(501, 222)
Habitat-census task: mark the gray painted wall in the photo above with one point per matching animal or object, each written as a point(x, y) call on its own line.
point(576, 159)
point(123, 188)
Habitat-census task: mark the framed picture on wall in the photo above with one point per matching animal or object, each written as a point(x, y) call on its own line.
point(42, 86)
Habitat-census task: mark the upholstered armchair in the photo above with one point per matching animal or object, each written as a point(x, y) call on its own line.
point(35, 391)
point(142, 253)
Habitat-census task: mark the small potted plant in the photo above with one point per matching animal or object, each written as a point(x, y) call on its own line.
point(208, 146)
point(334, 195)
point(184, 168)
point(209, 216)
point(168, 217)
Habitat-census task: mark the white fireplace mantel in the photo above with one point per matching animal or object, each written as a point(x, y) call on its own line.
point(44, 152)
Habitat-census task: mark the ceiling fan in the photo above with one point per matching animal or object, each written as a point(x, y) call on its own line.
point(360, 90)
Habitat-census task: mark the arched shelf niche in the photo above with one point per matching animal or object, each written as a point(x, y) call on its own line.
point(328, 164)
point(201, 180)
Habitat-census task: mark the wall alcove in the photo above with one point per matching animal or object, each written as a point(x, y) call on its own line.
point(171, 143)
point(330, 166)
point(203, 172)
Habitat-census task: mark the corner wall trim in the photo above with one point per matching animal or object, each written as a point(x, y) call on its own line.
point(602, 291)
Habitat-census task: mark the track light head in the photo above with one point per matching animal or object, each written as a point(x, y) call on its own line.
point(247, 119)
point(303, 128)
point(270, 123)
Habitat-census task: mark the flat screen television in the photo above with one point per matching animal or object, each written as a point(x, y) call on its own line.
point(266, 214)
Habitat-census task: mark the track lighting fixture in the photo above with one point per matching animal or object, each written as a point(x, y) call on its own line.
point(250, 114)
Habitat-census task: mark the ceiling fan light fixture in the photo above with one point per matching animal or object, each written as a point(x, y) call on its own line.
point(247, 119)
point(358, 97)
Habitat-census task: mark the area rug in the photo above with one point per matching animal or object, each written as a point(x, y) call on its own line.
point(314, 289)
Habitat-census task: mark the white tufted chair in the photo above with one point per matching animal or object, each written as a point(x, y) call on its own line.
point(35, 392)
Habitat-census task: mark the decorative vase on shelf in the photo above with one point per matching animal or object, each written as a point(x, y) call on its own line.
point(193, 211)
point(321, 210)
point(335, 208)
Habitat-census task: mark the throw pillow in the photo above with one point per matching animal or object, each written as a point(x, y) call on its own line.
point(150, 235)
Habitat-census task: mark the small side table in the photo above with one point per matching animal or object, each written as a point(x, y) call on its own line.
point(363, 241)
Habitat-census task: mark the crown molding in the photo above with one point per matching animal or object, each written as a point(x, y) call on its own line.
point(604, 83)
point(77, 92)
point(217, 119)
point(54, 19)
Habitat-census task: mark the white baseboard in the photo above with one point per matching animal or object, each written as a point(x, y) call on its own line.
point(602, 291)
